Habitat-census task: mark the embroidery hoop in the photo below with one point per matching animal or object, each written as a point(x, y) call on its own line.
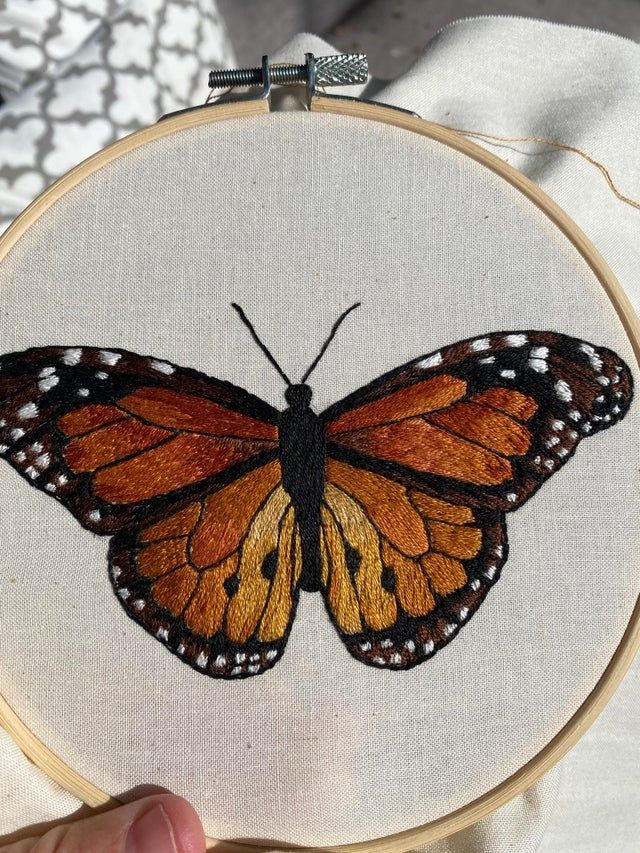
point(83, 789)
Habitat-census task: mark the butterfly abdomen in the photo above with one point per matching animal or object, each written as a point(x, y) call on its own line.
point(302, 460)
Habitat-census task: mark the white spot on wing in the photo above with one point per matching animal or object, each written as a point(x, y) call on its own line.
point(108, 357)
point(48, 383)
point(94, 515)
point(46, 371)
point(162, 366)
point(515, 340)
point(43, 461)
point(539, 352)
point(431, 360)
point(162, 634)
point(202, 660)
point(28, 411)
point(82, 392)
point(538, 364)
point(563, 392)
point(71, 357)
point(480, 344)
point(508, 374)
point(594, 358)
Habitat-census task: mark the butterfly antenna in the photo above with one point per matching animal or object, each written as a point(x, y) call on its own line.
point(332, 335)
point(262, 346)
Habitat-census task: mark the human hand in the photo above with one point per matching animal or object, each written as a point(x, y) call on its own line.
point(161, 823)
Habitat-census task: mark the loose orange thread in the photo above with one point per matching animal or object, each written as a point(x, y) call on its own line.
point(561, 146)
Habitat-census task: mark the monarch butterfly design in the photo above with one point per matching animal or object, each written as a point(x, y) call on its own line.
point(391, 502)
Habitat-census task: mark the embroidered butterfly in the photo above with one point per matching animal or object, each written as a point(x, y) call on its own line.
point(391, 503)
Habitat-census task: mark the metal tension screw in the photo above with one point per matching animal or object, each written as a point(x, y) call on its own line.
point(343, 69)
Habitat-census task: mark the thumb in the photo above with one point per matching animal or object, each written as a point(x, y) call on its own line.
point(163, 823)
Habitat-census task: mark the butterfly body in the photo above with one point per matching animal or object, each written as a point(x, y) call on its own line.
point(302, 461)
point(392, 503)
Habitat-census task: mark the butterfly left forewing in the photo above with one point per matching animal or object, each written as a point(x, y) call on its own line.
point(217, 581)
point(116, 437)
point(401, 570)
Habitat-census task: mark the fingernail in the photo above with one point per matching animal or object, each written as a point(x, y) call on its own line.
point(151, 833)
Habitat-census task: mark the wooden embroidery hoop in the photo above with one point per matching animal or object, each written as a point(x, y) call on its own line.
point(555, 749)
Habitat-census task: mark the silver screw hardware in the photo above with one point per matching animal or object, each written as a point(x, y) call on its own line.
point(343, 69)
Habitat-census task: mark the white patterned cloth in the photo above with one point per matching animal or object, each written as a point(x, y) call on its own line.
point(512, 77)
point(78, 75)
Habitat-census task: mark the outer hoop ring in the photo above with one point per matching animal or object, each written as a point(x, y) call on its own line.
point(573, 730)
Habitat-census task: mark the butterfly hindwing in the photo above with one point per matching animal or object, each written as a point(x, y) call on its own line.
point(217, 580)
point(117, 437)
point(483, 422)
point(402, 570)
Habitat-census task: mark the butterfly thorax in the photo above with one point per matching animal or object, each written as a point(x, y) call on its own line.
point(302, 459)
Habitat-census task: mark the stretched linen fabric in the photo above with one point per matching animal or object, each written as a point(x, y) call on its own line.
point(460, 80)
point(78, 76)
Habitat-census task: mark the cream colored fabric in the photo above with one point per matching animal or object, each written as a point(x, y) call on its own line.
point(368, 748)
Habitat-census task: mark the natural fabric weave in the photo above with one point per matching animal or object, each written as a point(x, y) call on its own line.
point(367, 746)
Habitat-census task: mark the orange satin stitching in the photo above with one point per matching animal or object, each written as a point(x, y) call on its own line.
point(175, 410)
point(206, 610)
point(110, 443)
point(174, 590)
point(89, 417)
point(445, 573)
point(416, 399)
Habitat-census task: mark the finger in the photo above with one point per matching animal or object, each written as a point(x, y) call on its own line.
point(162, 823)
